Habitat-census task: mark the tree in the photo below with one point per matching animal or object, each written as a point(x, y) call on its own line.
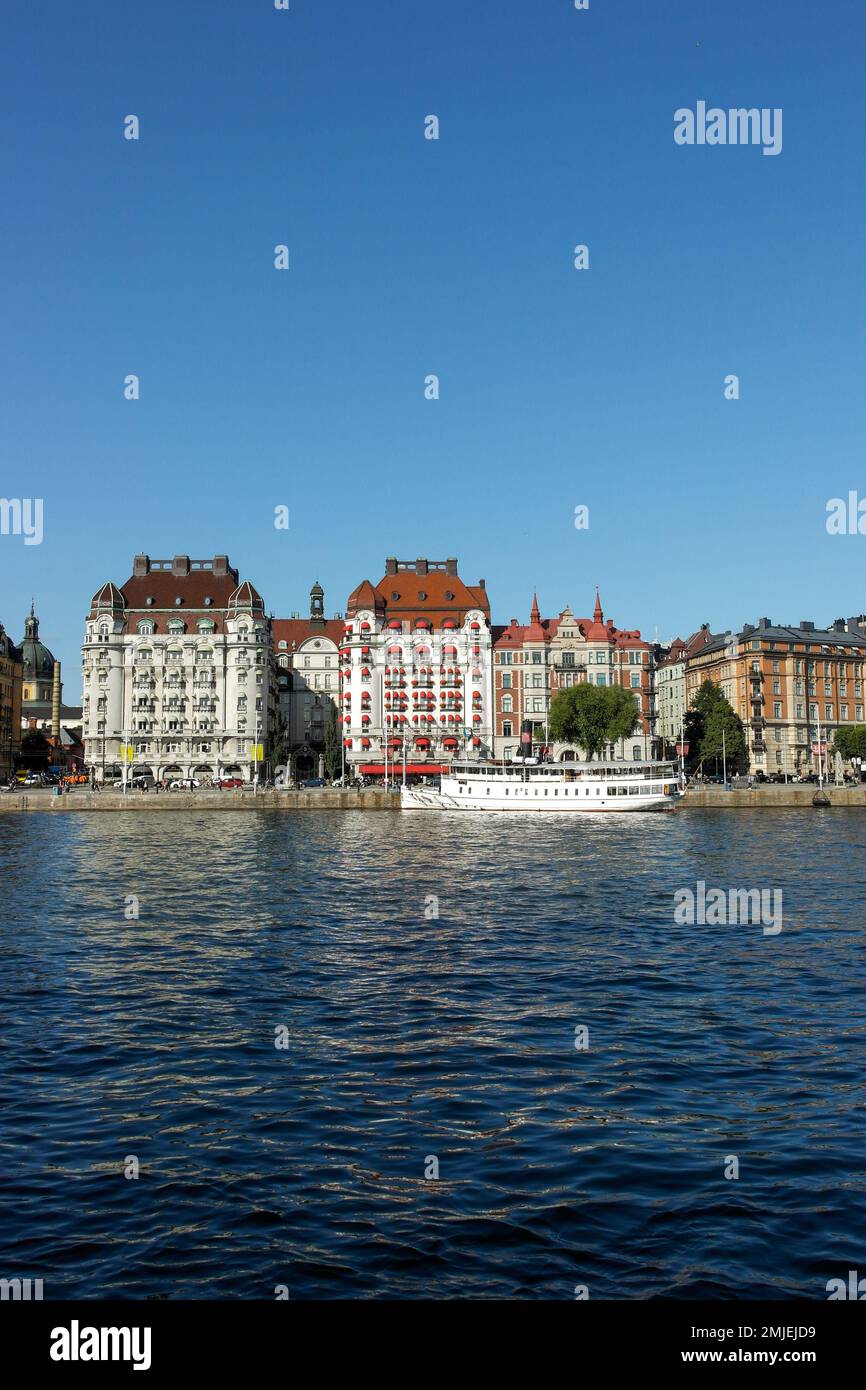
point(332, 743)
point(851, 743)
point(713, 728)
point(592, 715)
point(280, 742)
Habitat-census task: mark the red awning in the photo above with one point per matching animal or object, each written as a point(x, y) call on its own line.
point(412, 769)
point(422, 743)
point(365, 742)
point(450, 742)
point(365, 651)
point(476, 742)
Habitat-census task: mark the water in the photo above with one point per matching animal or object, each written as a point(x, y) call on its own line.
point(413, 1037)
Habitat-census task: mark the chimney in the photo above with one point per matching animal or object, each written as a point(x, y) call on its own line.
point(180, 566)
point(391, 565)
point(140, 566)
point(451, 565)
point(55, 702)
point(482, 584)
point(421, 566)
point(220, 564)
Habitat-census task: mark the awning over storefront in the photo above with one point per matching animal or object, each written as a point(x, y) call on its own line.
point(396, 769)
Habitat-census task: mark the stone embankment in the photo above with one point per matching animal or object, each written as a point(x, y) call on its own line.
point(315, 799)
point(770, 798)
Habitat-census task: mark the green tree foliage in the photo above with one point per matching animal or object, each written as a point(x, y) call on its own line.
point(851, 743)
point(332, 743)
point(712, 727)
point(592, 715)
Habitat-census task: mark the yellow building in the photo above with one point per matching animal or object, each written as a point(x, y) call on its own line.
point(10, 704)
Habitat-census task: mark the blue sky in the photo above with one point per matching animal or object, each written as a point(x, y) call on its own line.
point(408, 257)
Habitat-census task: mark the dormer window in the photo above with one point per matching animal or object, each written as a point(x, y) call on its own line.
point(149, 601)
point(176, 625)
point(146, 627)
point(178, 601)
point(208, 601)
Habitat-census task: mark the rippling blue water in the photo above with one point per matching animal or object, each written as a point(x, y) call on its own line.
point(412, 1036)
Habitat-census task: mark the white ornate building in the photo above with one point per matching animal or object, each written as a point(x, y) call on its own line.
point(415, 669)
point(177, 664)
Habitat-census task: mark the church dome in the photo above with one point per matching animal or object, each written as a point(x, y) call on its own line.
point(37, 659)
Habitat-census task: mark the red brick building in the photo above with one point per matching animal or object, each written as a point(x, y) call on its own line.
point(534, 661)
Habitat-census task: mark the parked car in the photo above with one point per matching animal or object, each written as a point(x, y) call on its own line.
point(224, 782)
point(313, 782)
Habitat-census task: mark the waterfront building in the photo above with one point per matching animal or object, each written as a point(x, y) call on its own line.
point(11, 688)
point(177, 666)
point(42, 707)
point(785, 683)
point(307, 659)
point(670, 684)
point(534, 661)
point(415, 668)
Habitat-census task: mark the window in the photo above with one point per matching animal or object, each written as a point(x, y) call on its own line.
point(506, 680)
point(146, 627)
point(636, 752)
point(635, 680)
point(176, 625)
point(506, 729)
point(507, 704)
point(777, 709)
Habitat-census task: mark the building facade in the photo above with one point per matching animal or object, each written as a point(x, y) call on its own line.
point(307, 657)
point(415, 669)
point(11, 688)
point(533, 662)
point(788, 685)
point(177, 667)
point(670, 685)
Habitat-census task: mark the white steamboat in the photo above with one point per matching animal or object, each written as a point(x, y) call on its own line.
point(559, 787)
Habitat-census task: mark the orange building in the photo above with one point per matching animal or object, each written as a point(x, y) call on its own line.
point(786, 684)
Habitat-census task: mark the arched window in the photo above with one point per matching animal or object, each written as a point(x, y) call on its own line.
point(146, 627)
point(176, 625)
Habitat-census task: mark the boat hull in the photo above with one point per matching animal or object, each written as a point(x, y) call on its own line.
point(568, 803)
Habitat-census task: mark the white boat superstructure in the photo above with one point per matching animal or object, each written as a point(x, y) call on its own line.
point(559, 787)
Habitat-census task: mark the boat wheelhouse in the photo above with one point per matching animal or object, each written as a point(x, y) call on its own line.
point(552, 787)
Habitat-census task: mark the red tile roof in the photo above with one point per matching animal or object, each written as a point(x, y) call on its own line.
point(436, 607)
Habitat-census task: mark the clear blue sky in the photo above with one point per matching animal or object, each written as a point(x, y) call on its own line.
point(411, 257)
